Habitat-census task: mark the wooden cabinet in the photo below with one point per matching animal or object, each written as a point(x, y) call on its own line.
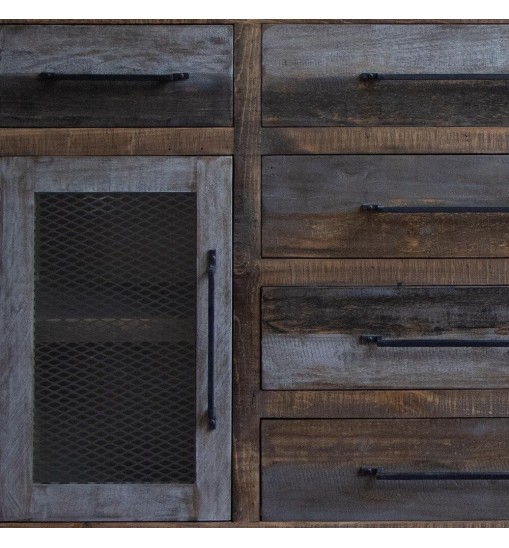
point(116, 327)
point(352, 181)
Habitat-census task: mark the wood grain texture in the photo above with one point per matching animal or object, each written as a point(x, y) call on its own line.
point(311, 75)
point(312, 206)
point(116, 141)
point(310, 469)
point(16, 334)
point(311, 337)
point(247, 231)
point(205, 99)
point(334, 404)
point(213, 447)
point(385, 140)
point(338, 272)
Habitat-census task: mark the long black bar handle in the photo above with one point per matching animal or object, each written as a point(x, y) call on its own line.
point(377, 76)
point(211, 270)
point(171, 77)
point(419, 343)
point(378, 474)
point(378, 208)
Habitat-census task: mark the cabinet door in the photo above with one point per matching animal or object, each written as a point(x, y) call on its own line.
point(116, 355)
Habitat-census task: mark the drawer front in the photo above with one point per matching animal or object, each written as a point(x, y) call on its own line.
point(312, 75)
point(440, 469)
point(122, 53)
point(400, 206)
point(421, 337)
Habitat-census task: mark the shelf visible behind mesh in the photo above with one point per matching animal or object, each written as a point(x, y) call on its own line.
point(115, 328)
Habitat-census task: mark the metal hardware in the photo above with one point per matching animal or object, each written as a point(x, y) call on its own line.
point(378, 474)
point(416, 343)
point(377, 208)
point(377, 76)
point(172, 77)
point(211, 255)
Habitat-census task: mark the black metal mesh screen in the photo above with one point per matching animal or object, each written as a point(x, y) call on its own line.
point(115, 302)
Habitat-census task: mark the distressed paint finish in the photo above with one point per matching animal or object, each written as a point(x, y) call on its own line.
point(310, 469)
point(205, 52)
point(311, 75)
point(312, 206)
point(311, 337)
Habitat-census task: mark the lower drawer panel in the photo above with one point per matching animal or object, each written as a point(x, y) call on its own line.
point(429, 469)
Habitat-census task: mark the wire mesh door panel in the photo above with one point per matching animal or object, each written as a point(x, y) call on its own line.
point(115, 302)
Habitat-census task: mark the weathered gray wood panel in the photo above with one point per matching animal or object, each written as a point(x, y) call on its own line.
point(310, 337)
point(205, 52)
point(312, 206)
point(310, 469)
point(310, 75)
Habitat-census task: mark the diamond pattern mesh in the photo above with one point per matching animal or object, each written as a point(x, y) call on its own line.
point(115, 301)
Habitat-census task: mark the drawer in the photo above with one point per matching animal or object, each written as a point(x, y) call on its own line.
point(385, 337)
point(436, 75)
point(400, 206)
point(413, 469)
point(115, 75)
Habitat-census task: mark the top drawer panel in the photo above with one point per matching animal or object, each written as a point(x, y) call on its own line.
point(311, 75)
point(27, 100)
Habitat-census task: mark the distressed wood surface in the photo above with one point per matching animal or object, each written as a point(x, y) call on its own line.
point(311, 75)
point(209, 498)
point(338, 272)
point(205, 99)
point(312, 206)
point(311, 337)
point(16, 335)
point(385, 140)
point(310, 469)
point(212, 497)
point(116, 141)
point(334, 404)
point(247, 231)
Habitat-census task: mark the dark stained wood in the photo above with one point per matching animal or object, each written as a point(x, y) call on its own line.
point(312, 206)
point(385, 140)
point(311, 337)
point(311, 75)
point(335, 404)
point(247, 231)
point(205, 99)
point(116, 141)
point(310, 469)
point(339, 272)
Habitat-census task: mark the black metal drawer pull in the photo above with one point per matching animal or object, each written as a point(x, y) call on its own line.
point(172, 77)
point(378, 474)
point(409, 343)
point(211, 269)
point(377, 76)
point(377, 208)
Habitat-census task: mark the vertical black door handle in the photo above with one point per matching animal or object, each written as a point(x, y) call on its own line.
point(211, 269)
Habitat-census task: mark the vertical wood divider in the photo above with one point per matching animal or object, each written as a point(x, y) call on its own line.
point(246, 282)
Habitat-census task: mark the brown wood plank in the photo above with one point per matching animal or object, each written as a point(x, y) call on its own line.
point(385, 140)
point(338, 272)
point(311, 75)
point(332, 404)
point(312, 206)
point(485, 524)
point(310, 469)
point(204, 52)
point(253, 21)
point(247, 230)
point(116, 141)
